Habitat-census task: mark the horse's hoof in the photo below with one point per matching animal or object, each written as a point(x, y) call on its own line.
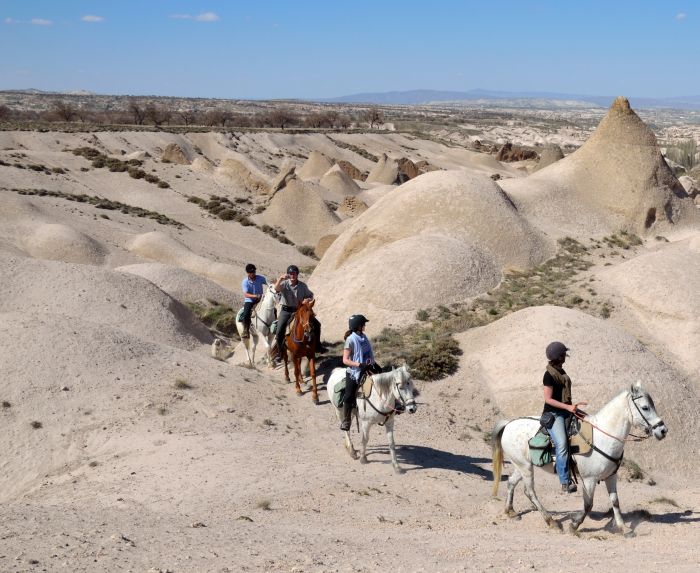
point(363, 460)
point(629, 534)
point(399, 471)
point(299, 392)
point(315, 400)
point(574, 530)
point(511, 513)
point(554, 524)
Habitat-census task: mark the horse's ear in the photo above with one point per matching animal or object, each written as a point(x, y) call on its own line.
point(312, 302)
point(636, 388)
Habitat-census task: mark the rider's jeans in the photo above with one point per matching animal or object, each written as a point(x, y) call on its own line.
point(561, 446)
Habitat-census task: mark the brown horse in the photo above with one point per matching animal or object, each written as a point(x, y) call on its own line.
point(301, 343)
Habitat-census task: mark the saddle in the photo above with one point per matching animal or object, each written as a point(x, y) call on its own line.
point(363, 391)
point(541, 447)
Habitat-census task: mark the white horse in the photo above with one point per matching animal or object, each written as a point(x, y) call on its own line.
point(378, 408)
point(611, 426)
point(260, 324)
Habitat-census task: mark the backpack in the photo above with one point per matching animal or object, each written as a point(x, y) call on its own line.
point(540, 448)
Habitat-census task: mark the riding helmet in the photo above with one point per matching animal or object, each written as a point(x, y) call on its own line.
point(250, 268)
point(556, 351)
point(292, 269)
point(356, 321)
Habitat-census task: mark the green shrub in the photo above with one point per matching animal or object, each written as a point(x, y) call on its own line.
point(433, 362)
point(136, 173)
point(307, 250)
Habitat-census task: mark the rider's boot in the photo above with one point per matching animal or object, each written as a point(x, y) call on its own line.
point(347, 417)
point(246, 331)
point(569, 487)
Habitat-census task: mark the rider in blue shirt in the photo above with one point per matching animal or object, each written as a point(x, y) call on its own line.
point(252, 287)
point(359, 358)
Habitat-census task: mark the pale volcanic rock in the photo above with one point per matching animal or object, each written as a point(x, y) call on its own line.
point(551, 153)
point(124, 301)
point(173, 153)
point(386, 171)
point(352, 171)
point(243, 172)
point(168, 250)
point(441, 220)
point(286, 174)
point(617, 179)
point(58, 242)
point(670, 318)
point(336, 180)
point(300, 210)
point(183, 285)
point(315, 166)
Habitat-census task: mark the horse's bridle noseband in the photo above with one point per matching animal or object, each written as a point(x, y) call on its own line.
point(649, 428)
point(405, 403)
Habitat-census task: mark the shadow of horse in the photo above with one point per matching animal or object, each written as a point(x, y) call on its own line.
point(423, 458)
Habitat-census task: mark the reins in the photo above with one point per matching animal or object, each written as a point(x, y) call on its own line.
point(389, 413)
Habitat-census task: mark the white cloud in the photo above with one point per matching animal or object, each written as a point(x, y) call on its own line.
point(91, 18)
point(681, 16)
point(203, 17)
point(41, 22)
point(207, 17)
point(11, 21)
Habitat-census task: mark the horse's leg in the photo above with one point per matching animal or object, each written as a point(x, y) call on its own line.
point(529, 483)
point(285, 357)
point(389, 428)
point(611, 485)
point(314, 390)
point(364, 434)
point(513, 481)
point(297, 373)
point(246, 345)
point(588, 484)
point(254, 338)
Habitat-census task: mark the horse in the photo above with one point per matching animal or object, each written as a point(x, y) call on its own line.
point(260, 324)
point(378, 408)
point(301, 343)
point(611, 426)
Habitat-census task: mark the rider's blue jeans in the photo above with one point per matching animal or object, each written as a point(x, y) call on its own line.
point(561, 446)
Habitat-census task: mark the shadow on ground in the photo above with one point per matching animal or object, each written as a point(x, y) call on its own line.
point(425, 458)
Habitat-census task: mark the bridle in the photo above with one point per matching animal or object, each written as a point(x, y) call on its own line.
point(648, 428)
point(389, 413)
point(306, 329)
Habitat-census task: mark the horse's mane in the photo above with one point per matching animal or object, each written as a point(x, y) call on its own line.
point(384, 380)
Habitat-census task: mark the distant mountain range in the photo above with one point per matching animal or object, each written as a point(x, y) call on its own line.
point(414, 97)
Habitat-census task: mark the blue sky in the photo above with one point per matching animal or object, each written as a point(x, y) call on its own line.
point(318, 49)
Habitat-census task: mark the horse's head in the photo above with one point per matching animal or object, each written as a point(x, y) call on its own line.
point(644, 412)
point(304, 315)
point(403, 388)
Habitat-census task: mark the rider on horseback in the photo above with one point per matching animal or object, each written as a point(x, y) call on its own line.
point(252, 287)
point(293, 292)
point(359, 358)
point(557, 400)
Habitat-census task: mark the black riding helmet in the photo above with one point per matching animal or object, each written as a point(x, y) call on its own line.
point(250, 268)
point(556, 351)
point(292, 269)
point(356, 321)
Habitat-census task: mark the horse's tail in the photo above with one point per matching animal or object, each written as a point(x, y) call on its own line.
point(496, 435)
